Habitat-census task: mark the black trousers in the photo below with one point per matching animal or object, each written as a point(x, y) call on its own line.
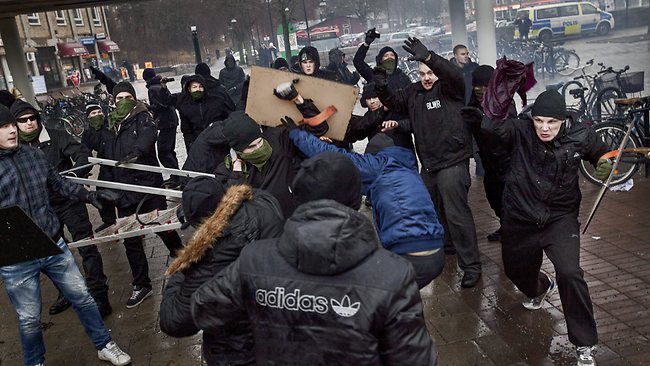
point(493, 187)
point(166, 145)
point(74, 216)
point(523, 245)
point(427, 267)
point(448, 189)
point(134, 248)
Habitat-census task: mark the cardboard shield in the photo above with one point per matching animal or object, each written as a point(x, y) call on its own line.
point(267, 109)
point(21, 240)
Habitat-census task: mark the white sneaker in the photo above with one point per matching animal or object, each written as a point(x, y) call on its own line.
point(585, 358)
point(113, 354)
point(537, 302)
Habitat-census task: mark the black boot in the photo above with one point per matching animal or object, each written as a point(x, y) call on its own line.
point(60, 305)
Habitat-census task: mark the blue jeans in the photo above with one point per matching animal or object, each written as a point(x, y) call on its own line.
point(22, 282)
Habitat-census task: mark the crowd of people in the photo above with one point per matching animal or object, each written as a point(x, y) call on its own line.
point(282, 267)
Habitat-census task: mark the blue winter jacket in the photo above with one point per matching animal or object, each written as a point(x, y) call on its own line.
point(402, 208)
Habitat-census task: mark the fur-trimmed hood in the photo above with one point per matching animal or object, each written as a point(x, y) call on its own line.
point(212, 229)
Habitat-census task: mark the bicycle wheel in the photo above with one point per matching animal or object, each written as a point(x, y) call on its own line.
point(571, 101)
point(604, 106)
point(566, 62)
point(612, 134)
point(74, 126)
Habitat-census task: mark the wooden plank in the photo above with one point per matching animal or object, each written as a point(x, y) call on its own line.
point(267, 109)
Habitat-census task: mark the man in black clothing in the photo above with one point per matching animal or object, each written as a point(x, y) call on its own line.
point(164, 116)
point(467, 66)
point(309, 63)
point(321, 292)
point(338, 65)
point(523, 24)
point(540, 208)
point(63, 153)
point(97, 138)
point(386, 59)
point(232, 78)
point(444, 145)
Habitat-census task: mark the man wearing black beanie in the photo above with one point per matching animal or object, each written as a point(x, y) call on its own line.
point(541, 200)
point(164, 116)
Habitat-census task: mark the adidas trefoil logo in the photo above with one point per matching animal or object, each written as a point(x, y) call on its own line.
point(344, 308)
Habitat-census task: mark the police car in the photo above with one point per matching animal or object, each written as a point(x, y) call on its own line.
point(566, 19)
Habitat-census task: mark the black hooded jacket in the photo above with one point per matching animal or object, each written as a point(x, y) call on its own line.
point(254, 219)
point(312, 54)
point(60, 149)
point(135, 136)
point(337, 65)
point(231, 75)
point(542, 183)
point(396, 80)
point(159, 104)
point(442, 138)
point(215, 105)
point(321, 295)
point(208, 150)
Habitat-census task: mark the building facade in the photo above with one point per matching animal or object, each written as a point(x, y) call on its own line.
point(60, 46)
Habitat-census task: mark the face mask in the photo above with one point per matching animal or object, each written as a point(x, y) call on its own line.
point(197, 95)
point(29, 136)
point(122, 109)
point(96, 122)
point(260, 156)
point(389, 65)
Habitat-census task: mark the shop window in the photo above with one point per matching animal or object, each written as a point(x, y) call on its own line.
point(59, 15)
point(97, 20)
point(33, 19)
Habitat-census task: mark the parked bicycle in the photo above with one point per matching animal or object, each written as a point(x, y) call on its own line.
point(637, 149)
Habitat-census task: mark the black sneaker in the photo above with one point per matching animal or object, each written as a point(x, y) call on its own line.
point(60, 305)
point(138, 296)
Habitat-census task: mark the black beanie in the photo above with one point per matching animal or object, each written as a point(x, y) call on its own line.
point(481, 76)
point(240, 130)
point(148, 74)
point(6, 117)
point(388, 139)
point(550, 104)
point(6, 98)
point(201, 196)
point(203, 69)
point(123, 86)
point(369, 91)
point(91, 107)
point(279, 63)
point(328, 176)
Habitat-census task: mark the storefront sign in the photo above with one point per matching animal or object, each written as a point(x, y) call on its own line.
point(87, 41)
point(100, 36)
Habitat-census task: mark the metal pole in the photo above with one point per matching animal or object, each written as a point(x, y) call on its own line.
point(15, 56)
point(273, 35)
point(285, 33)
point(304, 9)
point(197, 48)
point(149, 168)
point(127, 187)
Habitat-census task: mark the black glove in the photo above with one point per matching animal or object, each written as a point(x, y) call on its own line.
point(100, 76)
point(96, 198)
point(417, 49)
point(471, 115)
point(286, 90)
point(289, 123)
point(371, 35)
point(130, 158)
point(380, 77)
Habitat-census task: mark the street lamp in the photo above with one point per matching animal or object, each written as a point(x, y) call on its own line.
point(304, 9)
point(197, 48)
point(268, 8)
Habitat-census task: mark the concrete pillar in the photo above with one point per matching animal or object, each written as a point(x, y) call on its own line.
point(457, 18)
point(16, 58)
point(485, 32)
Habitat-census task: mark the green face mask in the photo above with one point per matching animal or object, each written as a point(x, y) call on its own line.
point(122, 109)
point(389, 65)
point(96, 122)
point(29, 136)
point(260, 156)
point(197, 95)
